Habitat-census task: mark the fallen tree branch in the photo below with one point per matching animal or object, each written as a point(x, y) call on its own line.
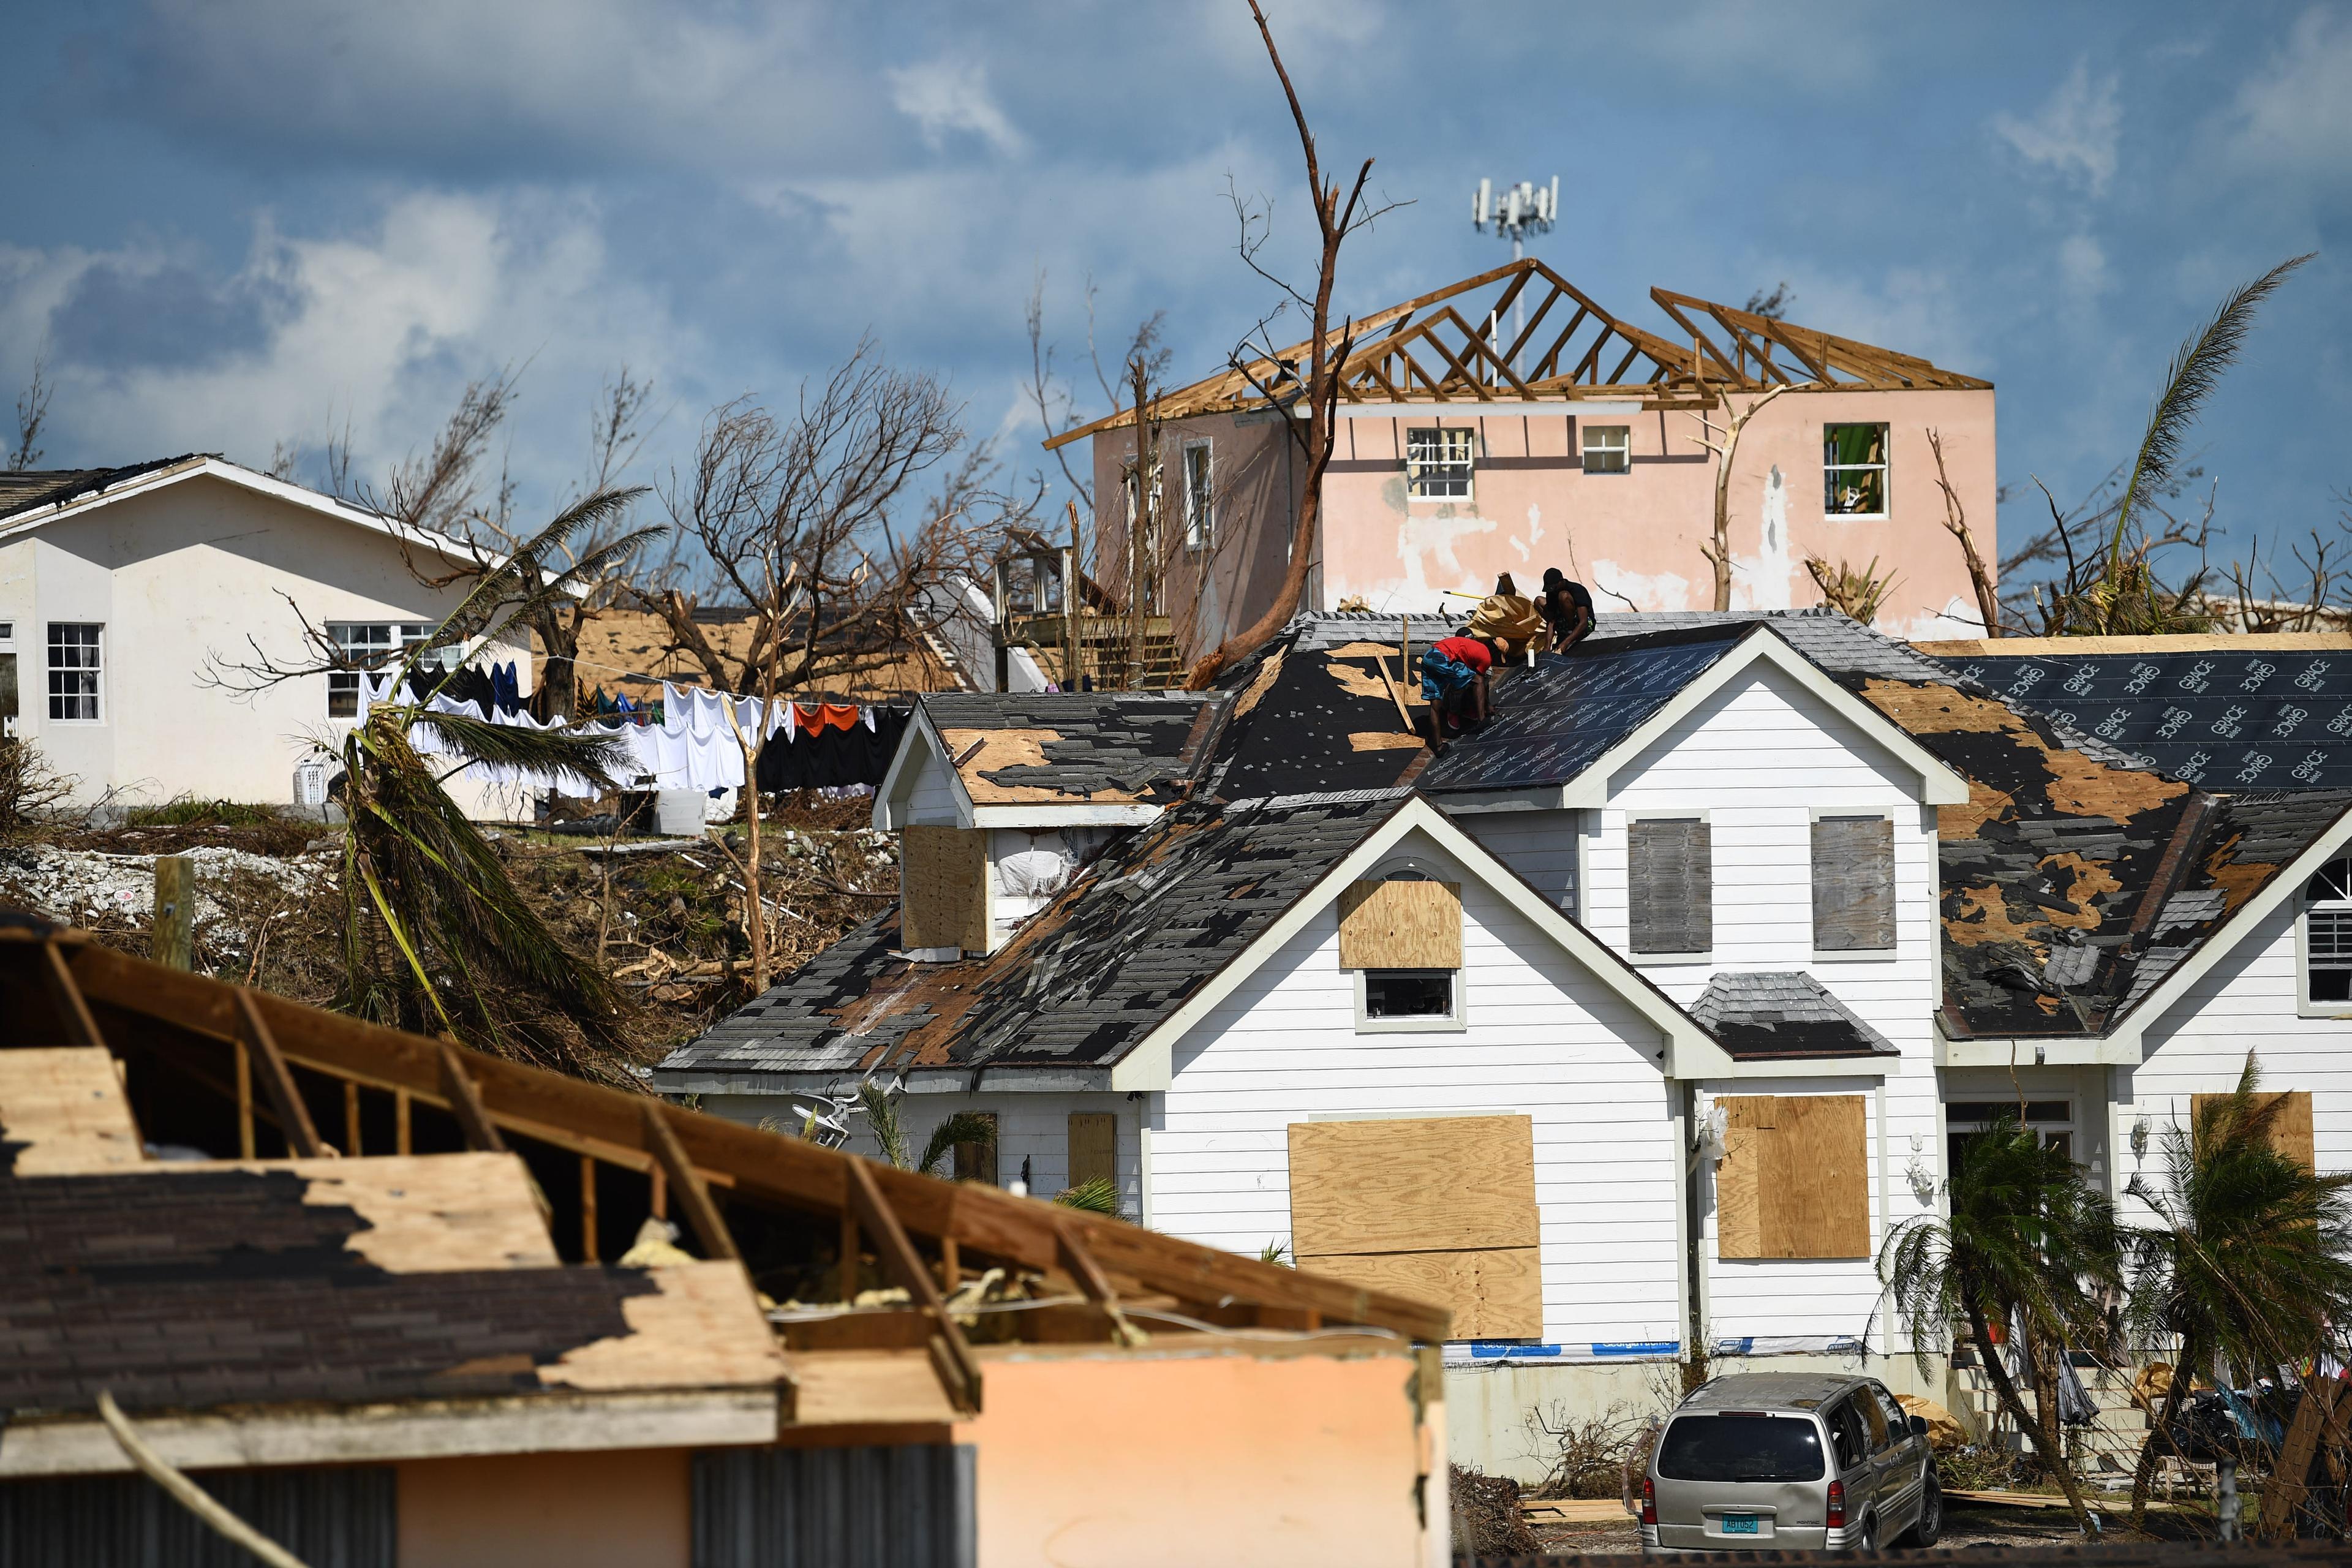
point(186, 1493)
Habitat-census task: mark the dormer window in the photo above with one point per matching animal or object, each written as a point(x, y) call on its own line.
point(2325, 944)
point(1401, 935)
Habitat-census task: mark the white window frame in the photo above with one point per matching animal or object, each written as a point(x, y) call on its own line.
point(2337, 875)
point(2071, 1127)
point(1883, 468)
point(1453, 1022)
point(399, 637)
point(1430, 460)
point(1625, 861)
point(1201, 499)
point(51, 669)
point(1859, 954)
point(1622, 448)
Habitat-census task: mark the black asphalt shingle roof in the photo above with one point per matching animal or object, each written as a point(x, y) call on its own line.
point(1761, 1015)
point(1138, 744)
point(47, 487)
point(1084, 979)
point(184, 1289)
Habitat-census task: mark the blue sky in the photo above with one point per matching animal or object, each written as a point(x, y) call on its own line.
point(237, 223)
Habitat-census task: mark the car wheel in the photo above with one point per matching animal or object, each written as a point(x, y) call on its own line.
point(1930, 1525)
point(1867, 1541)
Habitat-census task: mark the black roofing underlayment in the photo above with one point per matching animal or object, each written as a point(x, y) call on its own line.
point(1553, 721)
point(2228, 721)
point(195, 1289)
point(1318, 721)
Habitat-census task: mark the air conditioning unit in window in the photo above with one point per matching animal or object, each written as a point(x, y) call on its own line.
point(311, 783)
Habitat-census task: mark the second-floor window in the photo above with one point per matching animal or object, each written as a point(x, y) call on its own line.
point(1608, 448)
point(1670, 885)
point(1437, 464)
point(1854, 470)
point(1853, 884)
point(2327, 938)
point(1200, 501)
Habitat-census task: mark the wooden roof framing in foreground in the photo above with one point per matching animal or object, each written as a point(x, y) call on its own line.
point(1443, 348)
point(60, 987)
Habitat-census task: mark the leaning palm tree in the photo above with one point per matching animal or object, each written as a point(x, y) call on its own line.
point(2249, 1261)
point(435, 934)
point(2029, 1242)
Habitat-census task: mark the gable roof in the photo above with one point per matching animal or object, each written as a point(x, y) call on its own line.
point(1565, 725)
point(1153, 932)
point(1450, 346)
point(30, 500)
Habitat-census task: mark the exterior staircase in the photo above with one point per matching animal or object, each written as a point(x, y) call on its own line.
point(2103, 1453)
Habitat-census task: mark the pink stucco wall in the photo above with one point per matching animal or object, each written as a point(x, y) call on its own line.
point(1633, 538)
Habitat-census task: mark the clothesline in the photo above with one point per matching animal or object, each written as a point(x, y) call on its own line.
point(696, 747)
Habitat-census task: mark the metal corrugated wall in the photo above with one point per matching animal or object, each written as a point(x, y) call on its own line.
point(330, 1519)
point(909, 1506)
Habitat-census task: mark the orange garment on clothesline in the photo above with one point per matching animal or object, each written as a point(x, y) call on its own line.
point(826, 716)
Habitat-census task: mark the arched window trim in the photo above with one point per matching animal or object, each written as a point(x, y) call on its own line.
point(2323, 942)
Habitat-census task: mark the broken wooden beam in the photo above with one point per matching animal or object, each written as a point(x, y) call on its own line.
point(951, 1355)
point(303, 1140)
point(701, 1213)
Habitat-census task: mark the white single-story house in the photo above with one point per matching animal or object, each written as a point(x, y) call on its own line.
point(126, 593)
point(1631, 1025)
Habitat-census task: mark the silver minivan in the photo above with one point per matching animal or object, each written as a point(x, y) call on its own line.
point(1793, 1462)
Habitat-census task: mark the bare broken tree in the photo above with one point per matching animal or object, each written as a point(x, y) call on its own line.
point(1724, 442)
point(1277, 376)
point(1956, 523)
point(32, 412)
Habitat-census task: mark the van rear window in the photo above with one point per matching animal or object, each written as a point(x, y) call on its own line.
point(1741, 1448)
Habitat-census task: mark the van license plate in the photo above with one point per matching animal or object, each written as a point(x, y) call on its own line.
point(1741, 1524)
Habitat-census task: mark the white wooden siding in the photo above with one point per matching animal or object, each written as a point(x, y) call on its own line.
point(1541, 845)
point(2247, 1000)
point(932, 801)
point(1544, 1038)
point(1034, 1127)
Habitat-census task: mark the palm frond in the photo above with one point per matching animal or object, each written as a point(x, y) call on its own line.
point(881, 1108)
point(2196, 371)
point(527, 575)
point(1098, 1197)
point(963, 1127)
point(590, 757)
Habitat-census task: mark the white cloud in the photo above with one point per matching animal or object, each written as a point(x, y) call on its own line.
point(2082, 265)
point(948, 95)
point(2295, 116)
point(379, 328)
point(2076, 133)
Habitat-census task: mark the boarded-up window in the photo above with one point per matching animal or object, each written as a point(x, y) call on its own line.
point(943, 882)
point(1400, 924)
point(1853, 884)
point(1669, 872)
point(976, 1162)
point(1441, 1209)
point(1094, 1147)
point(2290, 1124)
point(1794, 1181)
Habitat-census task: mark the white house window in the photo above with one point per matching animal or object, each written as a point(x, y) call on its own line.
point(1854, 470)
point(76, 661)
point(361, 646)
point(1608, 448)
point(1437, 464)
point(2327, 938)
point(2053, 1122)
point(1200, 508)
point(1409, 994)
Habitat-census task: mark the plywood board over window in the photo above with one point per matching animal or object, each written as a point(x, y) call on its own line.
point(2290, 1124)
point(1670, 874)
point(1094, 1147)
point(1853, 884)
point(1399, 924)
point(943, 879)
point(1439, 1208)
point(1794, 1181)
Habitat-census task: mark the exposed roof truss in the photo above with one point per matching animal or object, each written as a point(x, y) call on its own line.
point(1459, 345)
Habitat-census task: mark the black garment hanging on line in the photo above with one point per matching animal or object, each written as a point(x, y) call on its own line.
point(830, 758)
